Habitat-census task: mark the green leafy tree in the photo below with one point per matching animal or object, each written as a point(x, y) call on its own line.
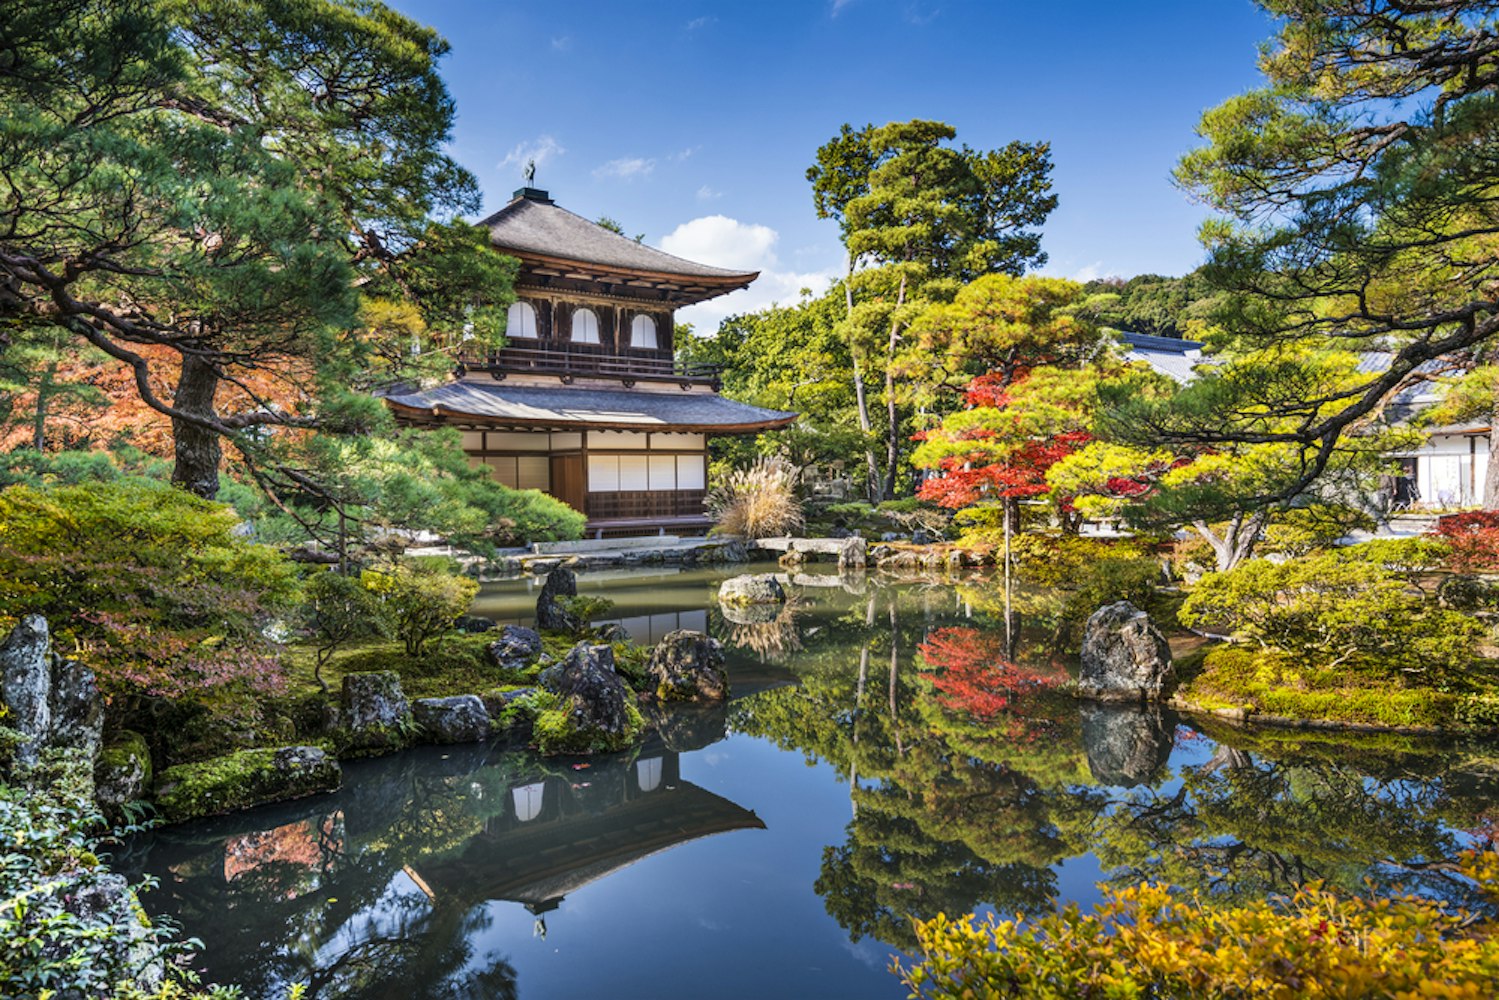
point(1355, 188)
point(197, 189)
point(919, 218)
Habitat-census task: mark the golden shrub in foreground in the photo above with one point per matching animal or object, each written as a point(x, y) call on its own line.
point(1146, 941)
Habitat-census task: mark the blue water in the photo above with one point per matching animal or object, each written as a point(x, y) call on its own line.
point(780, 847)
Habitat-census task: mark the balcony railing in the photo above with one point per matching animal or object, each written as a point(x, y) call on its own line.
point(570, 362)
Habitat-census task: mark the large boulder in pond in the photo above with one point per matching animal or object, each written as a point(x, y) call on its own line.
point(459, 719)
point(751, 588)
point(599, 706)
point(552, 616)
point(516, 648)
point(244, 779)
point(1127, 745)
point(373, 710)
point(688, 666)
point(50, 701)
point(1125, 657)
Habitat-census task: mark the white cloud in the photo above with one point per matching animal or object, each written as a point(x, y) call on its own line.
point(562, 43)
point(626, 168)
point(700, 22)
point(705, 193)
point(540, 150)
point(838, 6)
point(725, 242)
point(1088, 272)
point(684, 154)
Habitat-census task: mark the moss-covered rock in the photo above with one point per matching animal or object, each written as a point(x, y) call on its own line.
point(374, 713)
point(689, 666)
point(123, 773)
point(243, 780)
point(459, 719)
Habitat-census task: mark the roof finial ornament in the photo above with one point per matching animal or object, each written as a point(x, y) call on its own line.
point(530, 172)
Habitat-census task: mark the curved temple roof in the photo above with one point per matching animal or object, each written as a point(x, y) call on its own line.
point(538, 231)
point(571, 407)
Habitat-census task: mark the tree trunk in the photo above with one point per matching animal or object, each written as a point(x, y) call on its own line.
point(196, 449)
point(43, 398)
point(892, 440)
point(872, 466)
point(1238, 540)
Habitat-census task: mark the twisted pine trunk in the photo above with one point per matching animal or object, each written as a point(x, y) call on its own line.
point(196, 448)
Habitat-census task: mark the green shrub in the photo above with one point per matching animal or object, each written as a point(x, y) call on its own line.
point(50, 840)
point(151, 585)
point(1337, 609)
point(421, 600)
point(1316, 526)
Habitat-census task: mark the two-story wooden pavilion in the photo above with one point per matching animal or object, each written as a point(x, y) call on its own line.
point(586, 401)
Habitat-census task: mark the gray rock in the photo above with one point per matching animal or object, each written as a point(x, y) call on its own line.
point(613, 632)
point(459, 719)
point(516, 648)
point(551, 616)
point(891, 536)
point(923, 537)
point(853, 554)
point(474, 623)
point(26, 684)
point(752, 588)
point(1125, 657)
point(688, 666)
point(1127, 745)
point(123, 773)
point(374, 710)
point(77, 708)
point(99, 900)
point(52, 702)
point(597, 696)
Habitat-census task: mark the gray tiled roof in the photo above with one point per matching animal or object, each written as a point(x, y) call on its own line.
point(1167, 355)
point(573, 406)
point(528, 224)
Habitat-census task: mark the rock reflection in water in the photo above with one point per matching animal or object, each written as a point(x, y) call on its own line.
point(1127, 745)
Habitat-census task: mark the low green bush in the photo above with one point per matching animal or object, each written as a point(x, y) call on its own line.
point(420, 599)
point(1339, 609)
point(152, 587)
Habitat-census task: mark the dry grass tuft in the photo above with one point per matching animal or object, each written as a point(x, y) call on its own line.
point(758, 502)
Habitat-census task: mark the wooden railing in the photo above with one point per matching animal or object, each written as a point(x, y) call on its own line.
point(572, 361)
point(645, 504)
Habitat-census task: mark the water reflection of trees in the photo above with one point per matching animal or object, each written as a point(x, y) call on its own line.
point(970, 782)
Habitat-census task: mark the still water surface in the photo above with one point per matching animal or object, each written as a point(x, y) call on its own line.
point(889, 750)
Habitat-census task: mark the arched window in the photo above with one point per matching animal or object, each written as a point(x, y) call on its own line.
point(585, 327)
point(520, 321)
point(643, 333)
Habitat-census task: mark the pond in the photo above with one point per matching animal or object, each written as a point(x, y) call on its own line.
point(890, 749)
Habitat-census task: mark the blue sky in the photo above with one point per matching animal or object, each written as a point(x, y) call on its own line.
point(694, 122)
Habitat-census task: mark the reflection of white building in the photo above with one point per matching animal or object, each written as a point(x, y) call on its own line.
point(1446, 471)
